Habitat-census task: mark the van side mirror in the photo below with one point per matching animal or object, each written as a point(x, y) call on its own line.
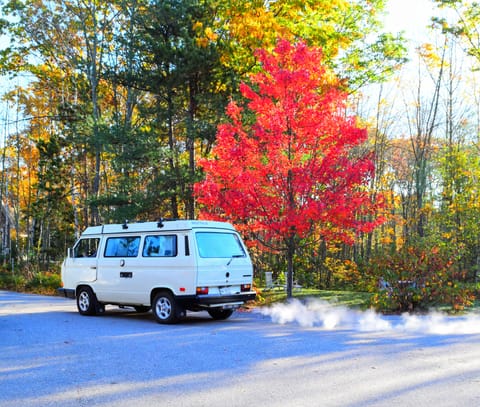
point(69, 252)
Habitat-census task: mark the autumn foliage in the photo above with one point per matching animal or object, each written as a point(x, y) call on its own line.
point(285, 163)
point(420, 277)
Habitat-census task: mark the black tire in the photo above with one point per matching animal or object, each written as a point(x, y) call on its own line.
point(141, 308)
point(220, 314)
point(86, 301)
point(164, 308)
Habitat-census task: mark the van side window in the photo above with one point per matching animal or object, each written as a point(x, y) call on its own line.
point(86, 247)
point(122, 246)
point(160, 246)
point(187, 246)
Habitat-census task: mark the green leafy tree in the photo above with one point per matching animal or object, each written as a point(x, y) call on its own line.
point(178, 65)
point(71, 38)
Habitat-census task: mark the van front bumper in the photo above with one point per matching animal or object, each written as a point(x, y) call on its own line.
point(66, 292)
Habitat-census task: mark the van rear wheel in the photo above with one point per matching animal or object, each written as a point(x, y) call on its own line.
point(86, 301)
point(164, 308)
point(220, 313)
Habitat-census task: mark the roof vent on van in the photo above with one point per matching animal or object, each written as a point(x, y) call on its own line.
point(125, 224)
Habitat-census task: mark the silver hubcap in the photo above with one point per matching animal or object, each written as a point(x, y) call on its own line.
point(164, 308)
point(84, 301)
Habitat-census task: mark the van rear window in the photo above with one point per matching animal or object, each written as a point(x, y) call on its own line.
point(214, 244)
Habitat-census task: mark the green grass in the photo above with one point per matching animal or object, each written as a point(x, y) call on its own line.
point(351, 299)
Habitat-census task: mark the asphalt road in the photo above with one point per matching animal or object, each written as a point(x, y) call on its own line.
point(52, 356)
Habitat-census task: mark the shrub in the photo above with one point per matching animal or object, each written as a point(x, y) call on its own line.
point(345, 273)
point(12, 281)
point(418, 278)
point(44, 283)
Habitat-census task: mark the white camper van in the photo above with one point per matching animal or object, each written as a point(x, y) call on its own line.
point(167, 266)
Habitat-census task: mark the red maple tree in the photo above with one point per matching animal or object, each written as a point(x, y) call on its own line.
point(284, 165)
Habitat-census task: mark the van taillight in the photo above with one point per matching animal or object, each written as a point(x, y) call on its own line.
point(245, 287)
point(202, 290)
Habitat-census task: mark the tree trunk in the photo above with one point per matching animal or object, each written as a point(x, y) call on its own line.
point(172, 161)
point(291, 247)
point(190, 199)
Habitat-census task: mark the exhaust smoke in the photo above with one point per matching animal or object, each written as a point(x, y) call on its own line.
point(317, 313)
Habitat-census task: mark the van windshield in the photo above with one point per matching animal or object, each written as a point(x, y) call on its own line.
point(214, 244)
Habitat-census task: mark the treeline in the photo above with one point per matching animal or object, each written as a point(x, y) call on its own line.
point(122, 98)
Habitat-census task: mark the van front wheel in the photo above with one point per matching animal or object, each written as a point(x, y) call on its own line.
point(86, 301)
point(164, 308)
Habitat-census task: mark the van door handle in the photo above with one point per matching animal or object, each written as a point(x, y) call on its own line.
point(93, 268)
point(126, 274)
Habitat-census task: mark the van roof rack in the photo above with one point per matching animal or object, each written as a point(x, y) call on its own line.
point(161, 220)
